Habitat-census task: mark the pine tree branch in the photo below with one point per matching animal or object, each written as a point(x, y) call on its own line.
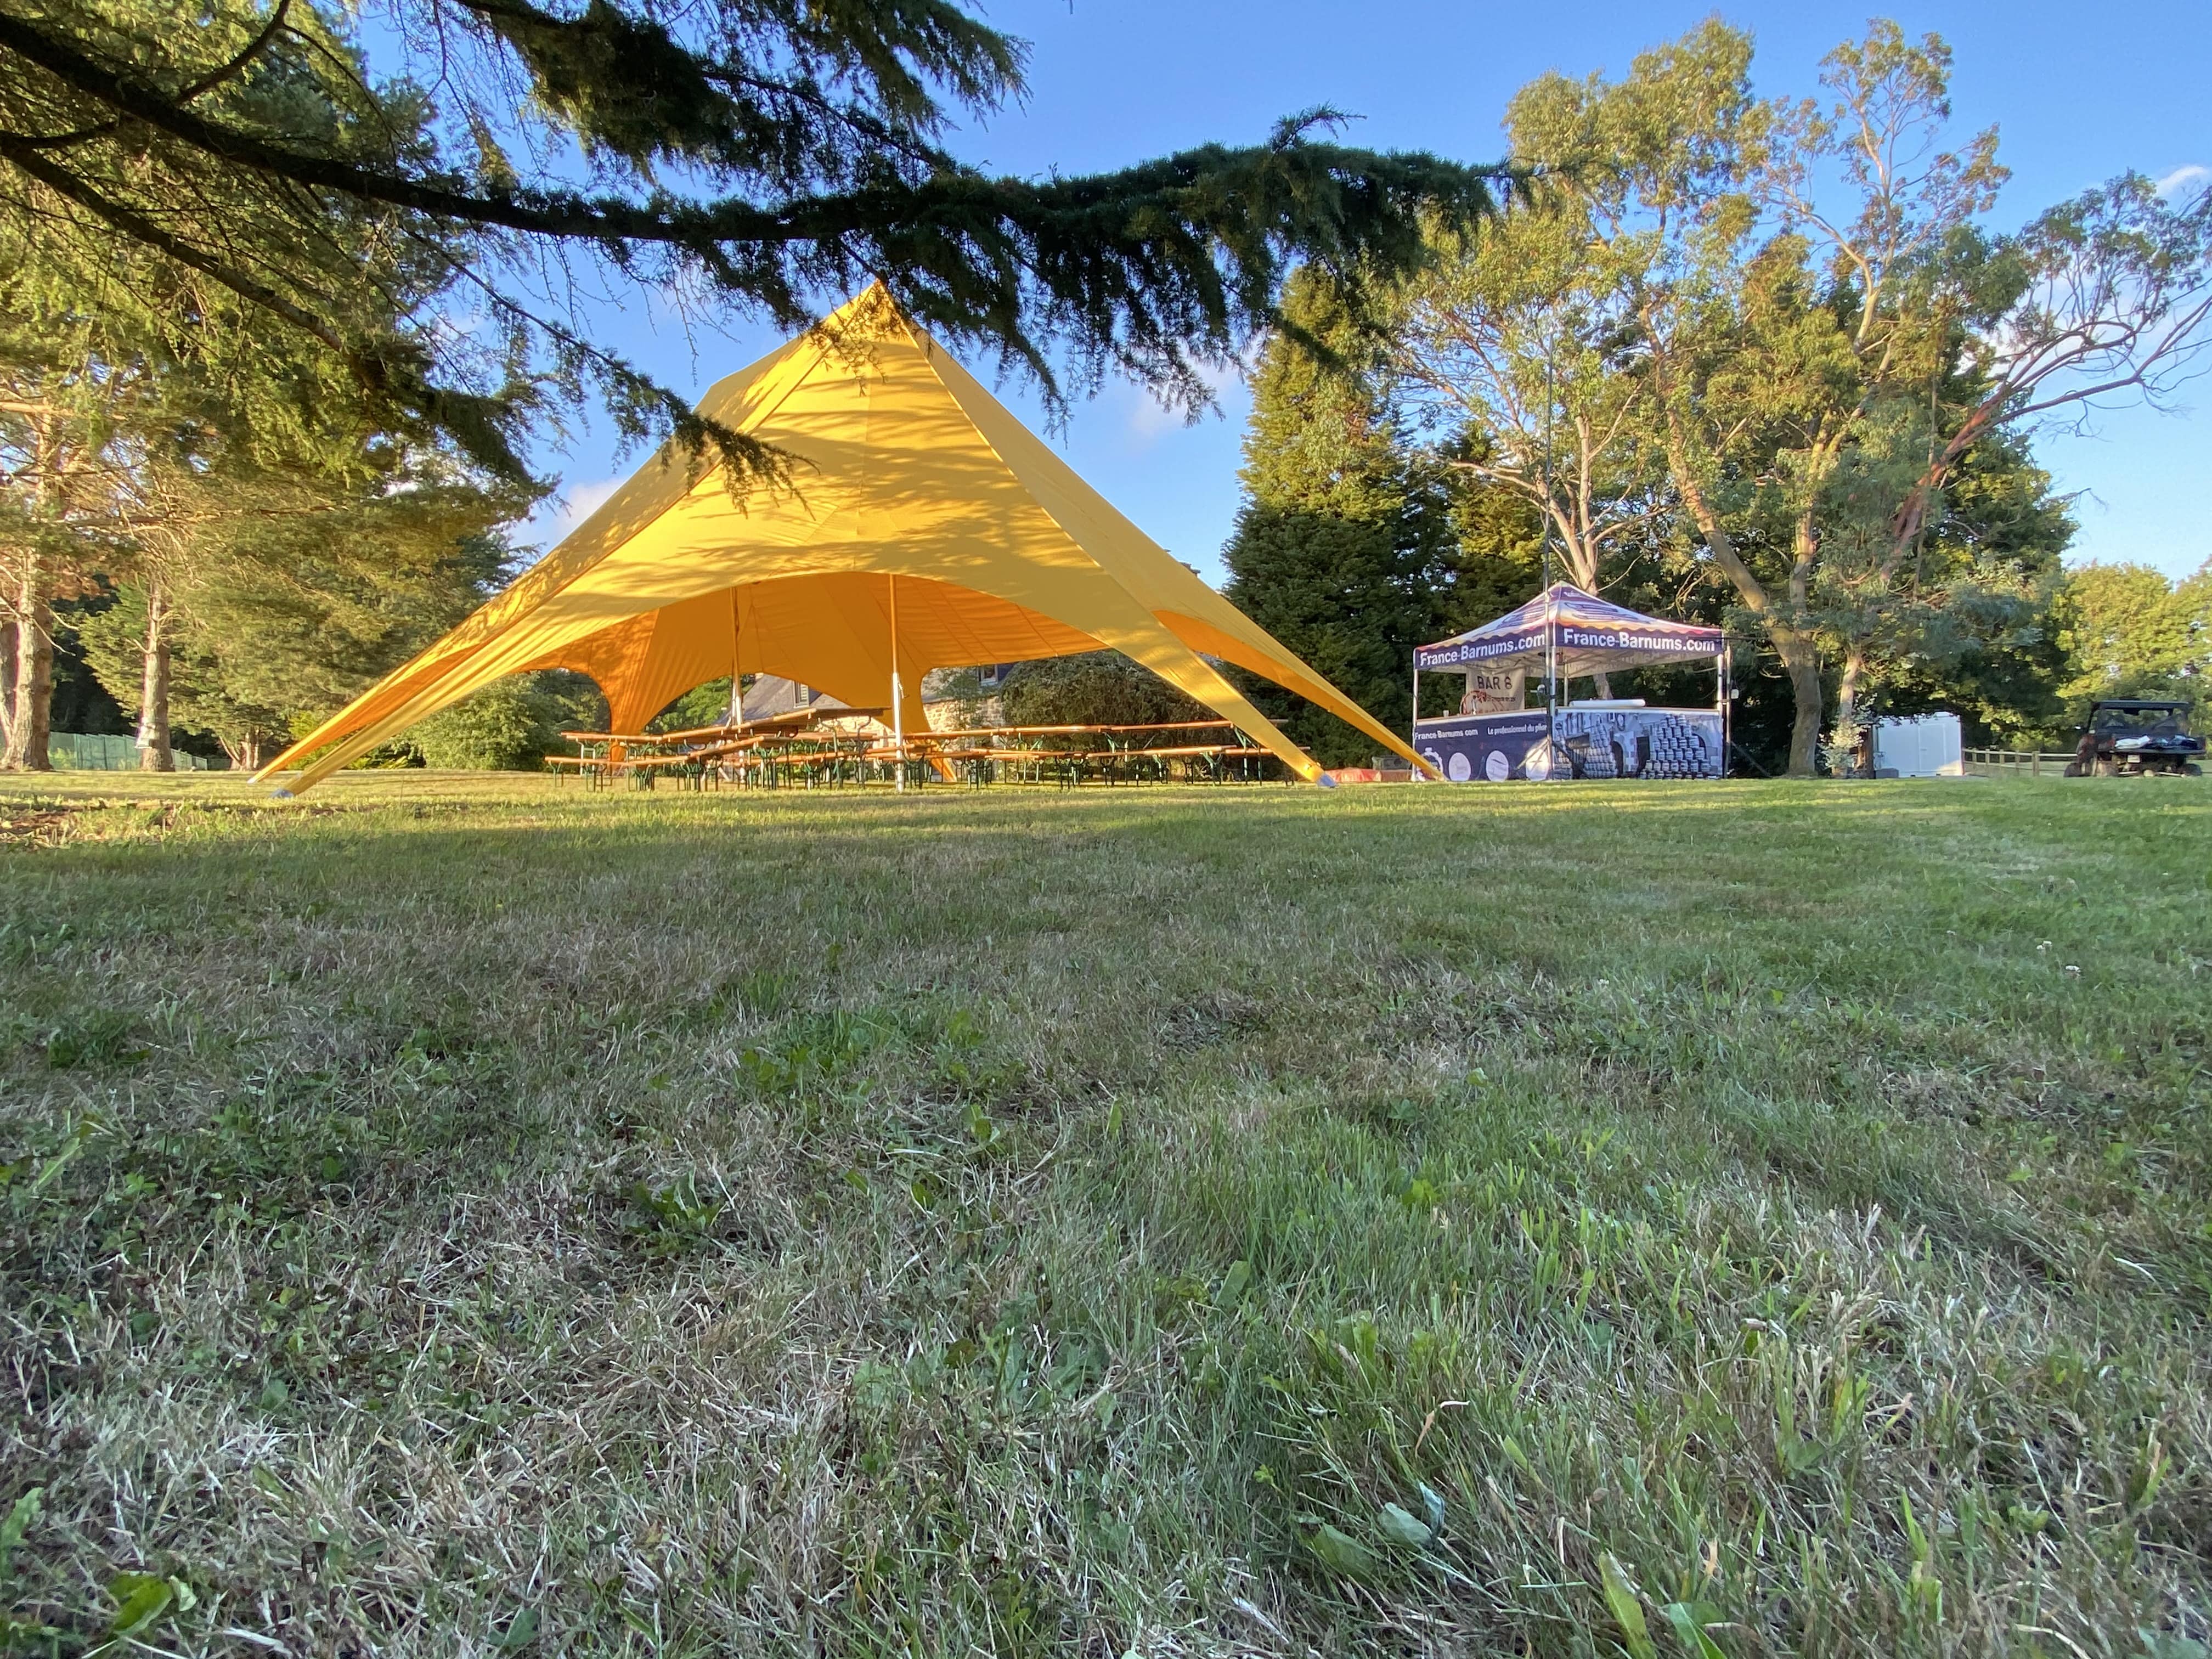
point(237, 65)
point(946, 208)
point(136, 226)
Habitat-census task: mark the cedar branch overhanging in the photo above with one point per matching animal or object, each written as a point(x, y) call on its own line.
point(1143, 269)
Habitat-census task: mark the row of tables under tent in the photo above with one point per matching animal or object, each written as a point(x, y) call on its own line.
point(1565, 635)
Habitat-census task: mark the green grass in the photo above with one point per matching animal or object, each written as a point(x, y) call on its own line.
point(455, 1216)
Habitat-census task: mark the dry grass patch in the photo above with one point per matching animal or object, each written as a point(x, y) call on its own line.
point(455, 1215)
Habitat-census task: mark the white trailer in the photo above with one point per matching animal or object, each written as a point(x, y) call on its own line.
point(1918, 746)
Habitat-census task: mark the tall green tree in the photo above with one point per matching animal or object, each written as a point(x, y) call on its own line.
point(287, 593)
point(2127, 631)
point(1097, 688)
point(755, 156)
point(1826, 339)
point(64, 424)
point(1519, 338)
point(1985, 643)
point(143, 400)
point(1497, 558)
point(1343, 548)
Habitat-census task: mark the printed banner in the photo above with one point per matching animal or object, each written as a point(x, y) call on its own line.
point(1640, 743)
point(1452, 653)
point(1592, 743)
point(1486, 748)
point(1495, 691)
point(1587, 636)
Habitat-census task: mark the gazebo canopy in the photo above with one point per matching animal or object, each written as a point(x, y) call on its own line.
point(1593, 636)
point(919, 510)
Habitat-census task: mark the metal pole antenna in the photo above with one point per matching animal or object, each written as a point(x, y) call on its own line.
point(1416, 727)
point(1727, 702)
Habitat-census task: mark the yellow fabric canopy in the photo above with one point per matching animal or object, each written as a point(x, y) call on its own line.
point(911, 486)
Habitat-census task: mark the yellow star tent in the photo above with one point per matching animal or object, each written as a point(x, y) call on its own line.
point(922, 526)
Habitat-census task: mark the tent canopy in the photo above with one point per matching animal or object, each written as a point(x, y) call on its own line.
point(911, 486)
point(1594, 636)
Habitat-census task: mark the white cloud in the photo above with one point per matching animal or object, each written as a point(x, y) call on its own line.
point(558, 514)
point(2181, 178)
point(1149, 416)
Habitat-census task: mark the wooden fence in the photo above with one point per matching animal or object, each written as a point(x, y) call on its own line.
point(2014, 762)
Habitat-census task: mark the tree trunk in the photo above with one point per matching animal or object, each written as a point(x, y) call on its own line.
point(1847, 703)
point(1805, 668)
point(30, 725)
point(1801, 658)
point(1847, 690)
point(155, 754)
point(7, 637)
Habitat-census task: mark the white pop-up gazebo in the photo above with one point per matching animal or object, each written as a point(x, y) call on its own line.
point(1563, 635)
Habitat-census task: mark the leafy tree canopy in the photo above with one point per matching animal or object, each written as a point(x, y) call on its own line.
point(2127, 631)
point(291, 594)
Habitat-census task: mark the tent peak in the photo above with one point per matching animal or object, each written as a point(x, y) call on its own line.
point(873, 313)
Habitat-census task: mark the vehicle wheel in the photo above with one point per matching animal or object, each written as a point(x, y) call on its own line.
point(2073, 769)
point(2193, 770)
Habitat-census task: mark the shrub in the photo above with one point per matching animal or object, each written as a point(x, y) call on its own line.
point(702, 705)
point(1100, 688)
point(508, 727)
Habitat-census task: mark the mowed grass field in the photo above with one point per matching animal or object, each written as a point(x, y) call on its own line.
point(456, 1216)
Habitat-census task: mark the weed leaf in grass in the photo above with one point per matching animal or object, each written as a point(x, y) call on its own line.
point(1234, 1285)
point(1432, 1505)
point(521, 1631)
point(1341, 1552)
point(18, 1523)
point(1627, 1612)
point(61, 1159)
point(1401, 1526)
point(2157, 1644)
point(1924, 1590)
point(142, 1601)
point(1689, 1620)
point(674, 1219)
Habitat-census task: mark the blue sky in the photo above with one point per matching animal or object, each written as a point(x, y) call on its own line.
point(2078, 93)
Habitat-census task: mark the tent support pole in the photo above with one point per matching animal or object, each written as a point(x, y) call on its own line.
point(737, 678)
point(1721, 702)
point(1551, 669)
point(898, 712)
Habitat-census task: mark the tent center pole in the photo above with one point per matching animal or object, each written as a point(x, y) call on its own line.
point(736, 678)
point(898, 712)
